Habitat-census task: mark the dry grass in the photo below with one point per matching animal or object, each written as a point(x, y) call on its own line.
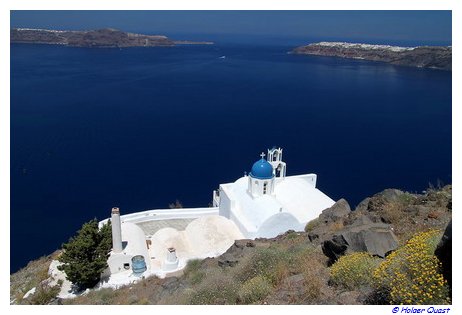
point(217, 288)
point(254, 290)
point(193, 271)
point(286, 270)
point(313, 265)
point(29, 277)
point(411, 214)
point(263, 262)
point(392, 212)
point(143, 292)
point(104, 296)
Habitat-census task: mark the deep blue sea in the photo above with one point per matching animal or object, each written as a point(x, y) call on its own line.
point(139, 128)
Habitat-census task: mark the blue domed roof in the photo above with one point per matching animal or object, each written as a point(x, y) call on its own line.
point(262, 170)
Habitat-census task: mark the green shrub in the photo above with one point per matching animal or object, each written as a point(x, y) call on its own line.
point(266, 262)
point(85, 256)
point(193, 271)
point(44, 294)
point(354, 270)
point(406, 198)
point(292, 235)
point(254, 290)
point(411, 274)
point(310, 226)
point(192, 266)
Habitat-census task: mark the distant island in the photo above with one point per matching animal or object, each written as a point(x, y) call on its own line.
point(102, 38)
point(436, 57)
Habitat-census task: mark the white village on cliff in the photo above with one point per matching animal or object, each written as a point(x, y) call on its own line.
point(263, 204)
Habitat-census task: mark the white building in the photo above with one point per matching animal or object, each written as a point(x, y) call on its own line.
point(264, 203)
point(267, 203)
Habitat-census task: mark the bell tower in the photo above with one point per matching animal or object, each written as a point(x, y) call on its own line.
point(275, 159)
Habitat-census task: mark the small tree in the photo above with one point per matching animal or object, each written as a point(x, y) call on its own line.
point(85, 256)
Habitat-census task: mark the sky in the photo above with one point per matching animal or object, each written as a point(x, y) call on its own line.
point(425, 26)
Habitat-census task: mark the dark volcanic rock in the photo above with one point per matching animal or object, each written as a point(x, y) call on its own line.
point(444, 253)
point(93, 38)
point(435, 57)
point(363, 205)
point(227, 260)
point(330, 219)
point(340, 210)
point(363, 236)
point(377, 222)
point(375, 238)
point(335, 247)
point(231, 257)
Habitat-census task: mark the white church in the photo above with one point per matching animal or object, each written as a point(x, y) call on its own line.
point(264, 203)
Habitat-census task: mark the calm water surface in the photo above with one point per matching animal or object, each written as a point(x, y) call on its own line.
point(138, 128)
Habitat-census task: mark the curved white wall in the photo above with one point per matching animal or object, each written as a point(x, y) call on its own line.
point(279, 224)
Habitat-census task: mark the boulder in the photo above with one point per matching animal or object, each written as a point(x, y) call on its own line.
point(375, 238)
point(320, 233)
point(231, 257)
point(362, 236)
point(362, 220)
point(340, 210)
point(444, 253)
point(363, 205)
point(387, 196)
point(415, 210)
point(227, 260)
point(334, 248)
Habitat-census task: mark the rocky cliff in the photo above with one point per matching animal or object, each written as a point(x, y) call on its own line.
point(294, 268)
point(110, 38)
point(436, 57)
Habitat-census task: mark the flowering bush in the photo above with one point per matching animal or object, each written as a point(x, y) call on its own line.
point(354, 270)
point(411, 274)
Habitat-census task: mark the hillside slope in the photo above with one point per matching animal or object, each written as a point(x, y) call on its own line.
point(294, 268)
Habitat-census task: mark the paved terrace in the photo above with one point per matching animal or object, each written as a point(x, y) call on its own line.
point(152, 221)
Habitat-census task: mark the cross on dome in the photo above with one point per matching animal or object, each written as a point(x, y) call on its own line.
point(262, 155)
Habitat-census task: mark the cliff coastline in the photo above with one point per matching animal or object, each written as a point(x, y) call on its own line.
point(435, 57)
point(102, 38)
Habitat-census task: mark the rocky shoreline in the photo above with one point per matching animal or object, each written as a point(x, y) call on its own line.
point(102, 38)
point(434, 57)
